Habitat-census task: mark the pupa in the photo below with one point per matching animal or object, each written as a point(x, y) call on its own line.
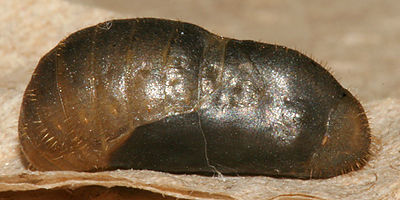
point(170, 96)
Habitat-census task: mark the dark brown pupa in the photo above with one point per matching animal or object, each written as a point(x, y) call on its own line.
point(170, 96)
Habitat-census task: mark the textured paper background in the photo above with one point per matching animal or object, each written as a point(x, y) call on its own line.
point(360, 41)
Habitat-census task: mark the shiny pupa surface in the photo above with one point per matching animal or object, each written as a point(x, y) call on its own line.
point(170, 96)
